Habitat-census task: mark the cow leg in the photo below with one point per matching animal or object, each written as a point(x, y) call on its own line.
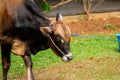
point(28, 64)
point(6, 62)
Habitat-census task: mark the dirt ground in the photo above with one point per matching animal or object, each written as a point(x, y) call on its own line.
point(96, 26)
point(79, 70)
point(83, 69)
point(100, 23)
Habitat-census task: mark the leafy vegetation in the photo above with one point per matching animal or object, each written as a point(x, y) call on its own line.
point(109, 26)
point(45, 5)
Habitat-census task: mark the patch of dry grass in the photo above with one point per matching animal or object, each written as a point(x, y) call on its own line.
point(107, 68)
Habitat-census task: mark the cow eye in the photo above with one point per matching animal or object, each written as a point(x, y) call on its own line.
point(62, 41)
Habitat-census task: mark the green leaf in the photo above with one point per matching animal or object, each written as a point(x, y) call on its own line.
point(45, 6)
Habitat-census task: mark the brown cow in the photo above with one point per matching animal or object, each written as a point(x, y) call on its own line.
point(25, 31)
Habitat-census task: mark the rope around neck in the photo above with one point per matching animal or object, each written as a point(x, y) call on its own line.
point(56, 46)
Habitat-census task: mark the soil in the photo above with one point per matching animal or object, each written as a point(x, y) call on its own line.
point(96, 26)
point(80, 70)
point(83, 69)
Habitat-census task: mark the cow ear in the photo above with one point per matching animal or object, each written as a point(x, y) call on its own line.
point(59, 17)
point(46, 30)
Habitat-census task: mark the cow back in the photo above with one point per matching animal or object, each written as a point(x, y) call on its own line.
point(21, 27)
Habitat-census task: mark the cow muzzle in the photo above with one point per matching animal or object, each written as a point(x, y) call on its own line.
point(67, 57)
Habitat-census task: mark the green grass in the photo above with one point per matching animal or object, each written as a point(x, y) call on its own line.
point(41, 60)
point(92, 46)
point(109, 26)
point(95, 46)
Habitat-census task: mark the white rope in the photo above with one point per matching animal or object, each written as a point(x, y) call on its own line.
point(56, 46)
point(51, 23)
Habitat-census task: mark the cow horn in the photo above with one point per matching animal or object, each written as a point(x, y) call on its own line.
point(59, 17)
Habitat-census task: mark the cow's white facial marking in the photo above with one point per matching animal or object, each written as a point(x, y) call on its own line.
point(67, 57)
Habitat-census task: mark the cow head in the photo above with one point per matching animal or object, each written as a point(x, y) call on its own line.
point(60, 35)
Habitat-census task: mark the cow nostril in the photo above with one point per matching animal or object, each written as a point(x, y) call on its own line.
point(69, 57)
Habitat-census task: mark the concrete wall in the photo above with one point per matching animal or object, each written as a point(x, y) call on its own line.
point(76, 7)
